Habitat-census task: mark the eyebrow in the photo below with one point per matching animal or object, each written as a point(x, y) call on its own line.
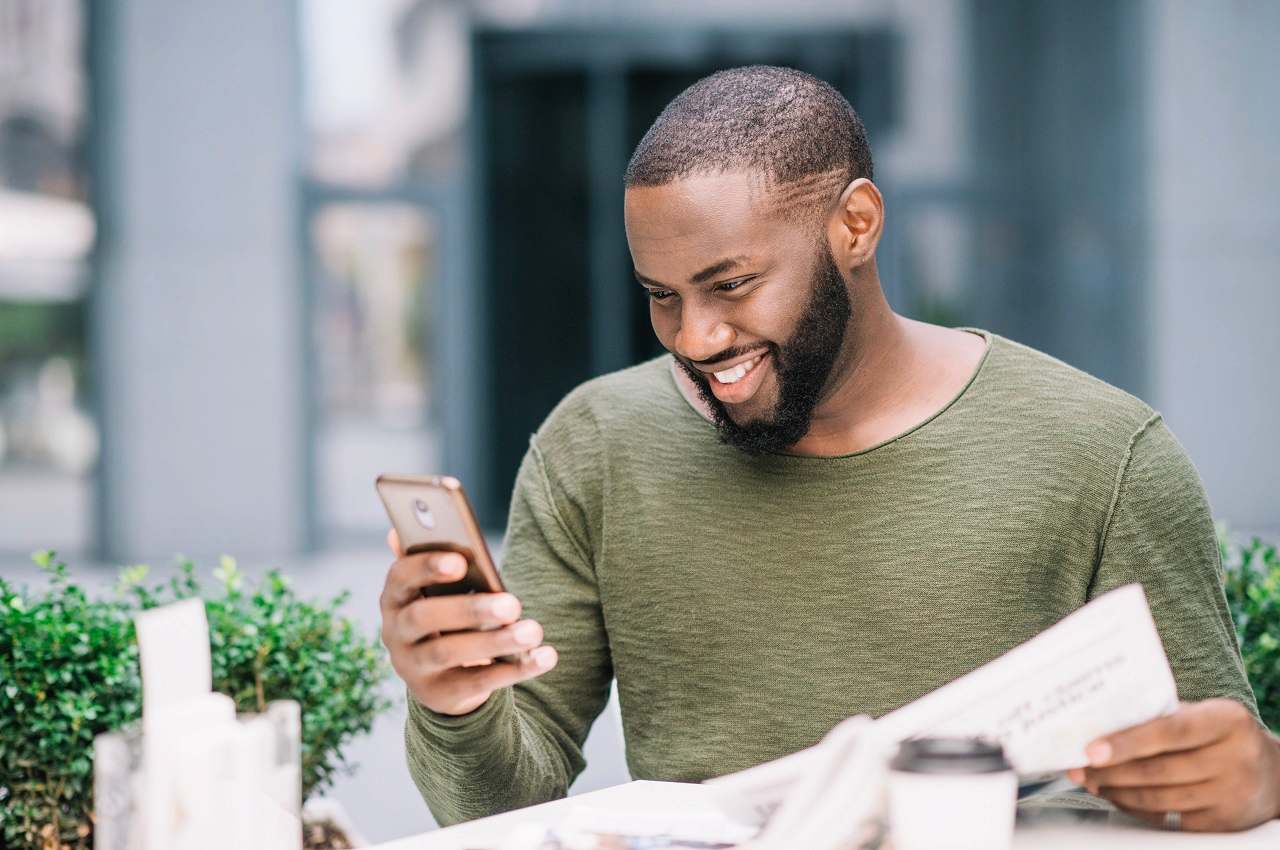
point(717, 268)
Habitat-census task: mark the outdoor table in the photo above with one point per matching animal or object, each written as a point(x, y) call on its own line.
point(1056, 831)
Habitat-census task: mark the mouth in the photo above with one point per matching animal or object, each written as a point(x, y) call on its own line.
point(739, 382)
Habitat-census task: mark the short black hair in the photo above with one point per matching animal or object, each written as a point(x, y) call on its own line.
point(794, 129)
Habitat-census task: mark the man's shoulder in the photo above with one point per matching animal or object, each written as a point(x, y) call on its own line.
point(1051, 393)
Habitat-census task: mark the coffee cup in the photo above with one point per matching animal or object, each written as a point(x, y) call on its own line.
point(951, 794)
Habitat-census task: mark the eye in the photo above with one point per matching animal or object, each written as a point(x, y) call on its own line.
point(659, 294)
point(729, 286)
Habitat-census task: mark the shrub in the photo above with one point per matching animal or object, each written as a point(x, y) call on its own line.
point(1252, 580)
point(69, 670)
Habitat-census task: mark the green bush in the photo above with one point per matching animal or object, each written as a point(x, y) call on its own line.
point(1252, 573)
point(69, 670)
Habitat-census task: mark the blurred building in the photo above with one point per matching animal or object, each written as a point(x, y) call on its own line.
point(338, 238)
point(48, 441)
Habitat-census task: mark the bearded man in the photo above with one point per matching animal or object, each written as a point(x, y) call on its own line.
point(812, 508)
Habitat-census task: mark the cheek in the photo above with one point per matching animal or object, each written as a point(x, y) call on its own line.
point(664, 323)
point(771, 315)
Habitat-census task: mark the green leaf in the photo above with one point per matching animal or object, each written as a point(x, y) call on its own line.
point(228, 572)
point(132, 576)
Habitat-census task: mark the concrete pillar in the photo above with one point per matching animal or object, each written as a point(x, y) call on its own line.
point(197, 312)
point(1215, 270)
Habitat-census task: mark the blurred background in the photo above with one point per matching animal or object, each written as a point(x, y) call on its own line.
point(253, 254)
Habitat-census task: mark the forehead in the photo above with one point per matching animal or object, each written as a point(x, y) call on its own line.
point(703, 218)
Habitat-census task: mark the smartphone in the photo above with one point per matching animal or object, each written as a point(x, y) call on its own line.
point(431, 514)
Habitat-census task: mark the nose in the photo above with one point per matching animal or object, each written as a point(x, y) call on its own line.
point(702, 333)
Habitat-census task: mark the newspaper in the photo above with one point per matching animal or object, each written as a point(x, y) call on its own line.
point(1097, 671)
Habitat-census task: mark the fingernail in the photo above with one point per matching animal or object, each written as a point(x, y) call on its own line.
point(1076, 775)
point(543, 657)
point(526, 633)
point(1099, 753)
point(505, 608)
point(452, 565)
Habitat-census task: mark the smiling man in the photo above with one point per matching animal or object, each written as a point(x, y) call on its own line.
point(812, 508)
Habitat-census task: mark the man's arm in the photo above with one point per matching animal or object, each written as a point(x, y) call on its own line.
point(1211, 761)
point(523, 745)
point(1161, 534)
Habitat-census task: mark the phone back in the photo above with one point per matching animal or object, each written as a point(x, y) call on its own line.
point(431, 513)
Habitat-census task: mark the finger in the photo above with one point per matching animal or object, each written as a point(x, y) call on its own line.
point(462, 685)
point(1191, 726)
point(429, 615)
point(1166, 798)
point(408, 575)
point(1208, 820)
point(468, 648)
point(1155, 819)
point(393, 543)
point(1203, 820)
point(1179, 768)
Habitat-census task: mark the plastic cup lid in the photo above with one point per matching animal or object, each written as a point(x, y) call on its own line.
point(949, 756)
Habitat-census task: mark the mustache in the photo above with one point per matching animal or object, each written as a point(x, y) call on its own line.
point(724, 356)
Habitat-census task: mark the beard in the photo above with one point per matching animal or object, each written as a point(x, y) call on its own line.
point(802, 364)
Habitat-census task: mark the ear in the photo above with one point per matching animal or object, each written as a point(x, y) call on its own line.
point(855, 225)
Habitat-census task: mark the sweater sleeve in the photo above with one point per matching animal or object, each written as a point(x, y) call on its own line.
point(524, 744)
point(1161, 534)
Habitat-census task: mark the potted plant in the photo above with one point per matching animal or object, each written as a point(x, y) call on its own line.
point(69, 671)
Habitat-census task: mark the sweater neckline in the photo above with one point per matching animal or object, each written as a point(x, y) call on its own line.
point(785, 456)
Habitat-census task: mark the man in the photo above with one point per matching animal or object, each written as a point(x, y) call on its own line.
point(813, 508)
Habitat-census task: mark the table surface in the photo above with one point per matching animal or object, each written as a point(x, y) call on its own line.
point(638, 797)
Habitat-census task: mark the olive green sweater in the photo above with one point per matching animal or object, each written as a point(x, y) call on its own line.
point(746, 604)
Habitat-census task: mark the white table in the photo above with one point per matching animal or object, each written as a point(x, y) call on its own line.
point(675, 796)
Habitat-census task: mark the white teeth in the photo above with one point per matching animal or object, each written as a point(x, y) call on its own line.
point(737, 373)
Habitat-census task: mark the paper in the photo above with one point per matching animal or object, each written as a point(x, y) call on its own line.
point(1098, 670)
point(173, 643)
point(838, 801)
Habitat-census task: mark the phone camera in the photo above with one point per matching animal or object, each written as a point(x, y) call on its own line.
point(422, 511)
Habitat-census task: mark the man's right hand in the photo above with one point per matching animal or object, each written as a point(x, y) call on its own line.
point(445, 647)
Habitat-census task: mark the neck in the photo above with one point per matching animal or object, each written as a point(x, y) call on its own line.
point(872, 375)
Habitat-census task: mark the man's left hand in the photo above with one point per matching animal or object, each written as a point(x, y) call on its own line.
point(1211, 761)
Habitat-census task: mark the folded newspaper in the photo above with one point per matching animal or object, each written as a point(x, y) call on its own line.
point(1097, 671)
